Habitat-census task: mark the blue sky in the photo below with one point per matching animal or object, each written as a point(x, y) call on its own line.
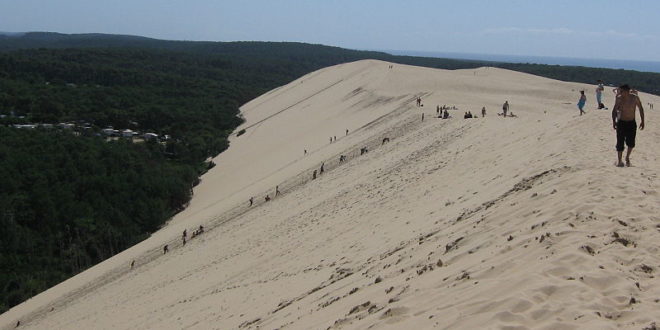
point(627, 30)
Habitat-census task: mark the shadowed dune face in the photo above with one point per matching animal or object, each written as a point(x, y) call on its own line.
point(503, 223)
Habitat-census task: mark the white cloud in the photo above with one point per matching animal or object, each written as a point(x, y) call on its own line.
point(505, 30)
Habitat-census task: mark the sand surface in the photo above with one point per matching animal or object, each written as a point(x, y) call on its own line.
point(485, 223)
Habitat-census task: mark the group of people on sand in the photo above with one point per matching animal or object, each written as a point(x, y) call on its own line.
point(624, 119)
point(600, 88)
point(184, 236)
point(442, 112)
point(320, 171)
point(267, 198)
point(469, 114)
point(439, 109)
point(184, 239)
point(332, 139)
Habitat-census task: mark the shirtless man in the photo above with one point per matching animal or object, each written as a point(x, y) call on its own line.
point(623, 121)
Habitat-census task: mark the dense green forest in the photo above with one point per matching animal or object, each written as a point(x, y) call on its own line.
point(69, 200)
point(298, 58)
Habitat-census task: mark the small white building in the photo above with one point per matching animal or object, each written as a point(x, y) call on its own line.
point(27, 126)
point(150, 136)
point(127, 133)
point(110, 131)
point(66, 125)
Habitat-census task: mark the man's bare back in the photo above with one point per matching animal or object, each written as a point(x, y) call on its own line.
point(626, 104)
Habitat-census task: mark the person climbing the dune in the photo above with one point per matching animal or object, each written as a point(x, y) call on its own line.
point(624, 122)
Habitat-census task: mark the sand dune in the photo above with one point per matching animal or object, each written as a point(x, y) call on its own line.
point(486, 223)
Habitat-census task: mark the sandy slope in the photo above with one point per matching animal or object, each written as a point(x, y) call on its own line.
point(514, 223)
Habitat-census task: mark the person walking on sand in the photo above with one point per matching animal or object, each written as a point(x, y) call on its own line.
point(419, 101)
point(599, 95)
point(277, 190)
point(623, 121)
point(483, 112)
point(251, 201)
point(437, 110)
point(505, 108)
point(581, 102)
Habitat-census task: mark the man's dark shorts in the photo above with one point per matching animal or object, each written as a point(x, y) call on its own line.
point(625, 132)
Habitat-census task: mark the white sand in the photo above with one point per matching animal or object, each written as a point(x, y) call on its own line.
point(523, 213)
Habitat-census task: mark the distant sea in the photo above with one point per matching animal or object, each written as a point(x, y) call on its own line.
point(648, 66)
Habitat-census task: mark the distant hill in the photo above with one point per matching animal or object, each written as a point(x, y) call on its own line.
point(98, 40)
point(318, 54)
point(14, 41)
